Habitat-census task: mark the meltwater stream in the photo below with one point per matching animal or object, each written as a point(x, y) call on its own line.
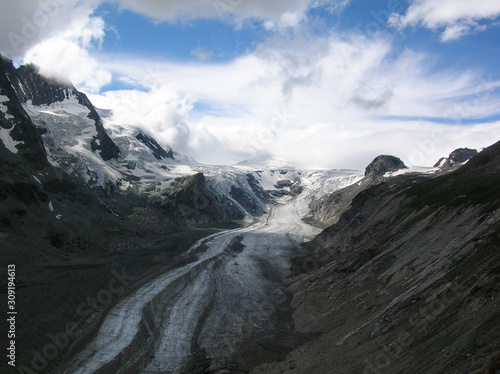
point(193, 318)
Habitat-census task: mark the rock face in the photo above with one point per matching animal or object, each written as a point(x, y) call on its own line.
point(407, 280)
point(327, 210)
point(384, 164)
point(244, 200)
point(455, 159)
point(15, 123)
point(30, 85)
point(157, 149)
point(462, 154)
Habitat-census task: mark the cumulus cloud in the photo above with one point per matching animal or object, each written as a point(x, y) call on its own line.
point(162, 112)
point(66, 60)
point(67, 57)
point(24, 23)
point(457, 17)
point(59, 36)
point(455, 32)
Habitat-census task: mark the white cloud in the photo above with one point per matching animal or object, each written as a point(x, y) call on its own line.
point(269, 25)
point(67, 57)
point(339, 6)
point(455, 32)
point(202, 54)
point(25, 23)
point(58, 36)
point(162, 112)
point(291, 19)
point(66, 60)
point(89, 32)
point(457, 17)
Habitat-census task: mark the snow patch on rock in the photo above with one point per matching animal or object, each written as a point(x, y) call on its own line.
point(7, 140)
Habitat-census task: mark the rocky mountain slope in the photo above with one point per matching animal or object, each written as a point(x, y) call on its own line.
point(327, 209)
point(66, 133)
point(407, 280)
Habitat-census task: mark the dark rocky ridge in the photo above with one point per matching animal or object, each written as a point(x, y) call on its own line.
point(244, 200)
point(248, 202)
point(157, 149)
point(384, 164)
point(31, 150)
point(407, 280)
point(462, 154)
point(455, 159)
point(326, 210)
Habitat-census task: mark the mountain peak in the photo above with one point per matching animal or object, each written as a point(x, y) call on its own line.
point(39, 89)
point(462, 155)
point(30, 85)
point(456, 158)
point(384, 164)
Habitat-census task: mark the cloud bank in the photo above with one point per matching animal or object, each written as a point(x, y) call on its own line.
point(331, 102)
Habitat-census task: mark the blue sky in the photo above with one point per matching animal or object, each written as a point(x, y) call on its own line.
point(326, 83)
point(177, 41)
point(134, 34)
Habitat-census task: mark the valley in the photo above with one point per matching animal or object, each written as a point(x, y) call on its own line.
point(197, 317)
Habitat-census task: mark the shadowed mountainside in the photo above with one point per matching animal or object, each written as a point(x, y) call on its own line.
point(407, 280)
